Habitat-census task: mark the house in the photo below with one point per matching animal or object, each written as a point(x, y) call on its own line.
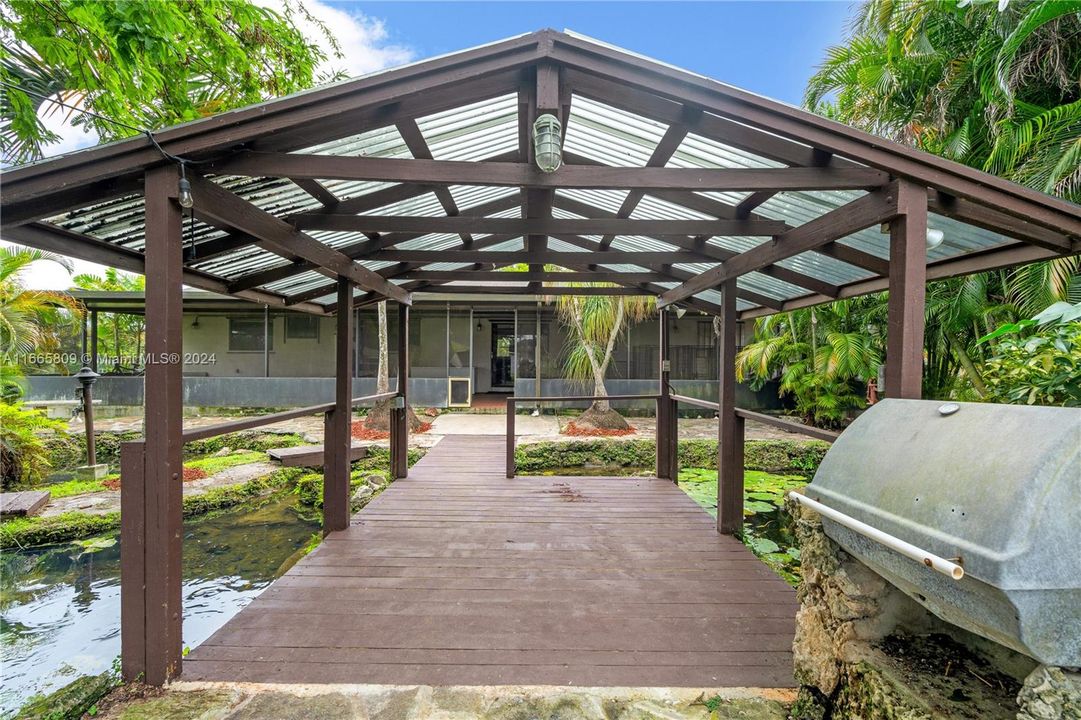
point(465, 350)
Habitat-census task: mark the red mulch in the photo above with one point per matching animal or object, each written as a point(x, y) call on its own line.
point(191, 474)
point(576, 430)
point(361, 432)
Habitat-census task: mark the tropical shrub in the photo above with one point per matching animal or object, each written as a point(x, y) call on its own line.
point(1037, 361)
point(23, 455)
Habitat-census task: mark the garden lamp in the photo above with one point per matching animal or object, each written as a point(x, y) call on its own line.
point(547, 143)
point(87, 378)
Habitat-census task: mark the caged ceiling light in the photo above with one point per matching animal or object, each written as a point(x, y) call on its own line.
point(934, 238)
point(547, 143)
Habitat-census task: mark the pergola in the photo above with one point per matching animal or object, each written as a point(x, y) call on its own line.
point(672, 185)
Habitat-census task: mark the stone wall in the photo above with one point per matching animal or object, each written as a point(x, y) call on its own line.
point(863, 649)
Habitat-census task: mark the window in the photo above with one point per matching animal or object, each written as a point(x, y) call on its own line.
point(246, 335)
point(301, 327)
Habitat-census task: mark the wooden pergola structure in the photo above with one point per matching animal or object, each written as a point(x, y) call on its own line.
point(672, 185)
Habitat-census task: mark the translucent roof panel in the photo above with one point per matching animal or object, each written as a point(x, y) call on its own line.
point(610, 136)
point(473, 132)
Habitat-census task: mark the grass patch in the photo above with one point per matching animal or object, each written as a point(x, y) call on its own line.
point(212, 464)
point(74, 487)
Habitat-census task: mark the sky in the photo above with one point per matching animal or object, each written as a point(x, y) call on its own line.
point(765, 46)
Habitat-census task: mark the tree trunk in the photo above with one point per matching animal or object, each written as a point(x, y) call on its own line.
point(970, 369)
point(379, 416)
point(600, 413)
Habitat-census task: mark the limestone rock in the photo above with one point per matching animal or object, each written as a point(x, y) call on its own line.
point(223, 452)
point(1050, 693)
point(815, 664)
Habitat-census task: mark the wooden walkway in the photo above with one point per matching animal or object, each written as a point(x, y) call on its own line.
point(459, 576)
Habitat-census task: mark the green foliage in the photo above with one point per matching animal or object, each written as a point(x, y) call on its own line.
point(823, 356)
point(24, 456)
point(1041, 369)
point(145, 64)
point(309, 486)
point(782, 456)
point(995, 88)
point(29, 319)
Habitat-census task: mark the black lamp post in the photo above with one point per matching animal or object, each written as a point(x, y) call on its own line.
point(87, 378)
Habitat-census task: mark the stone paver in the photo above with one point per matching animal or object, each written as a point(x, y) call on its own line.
point(493, 424)
point(247, 701)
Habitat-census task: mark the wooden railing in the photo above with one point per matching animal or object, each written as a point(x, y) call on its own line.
point(786, 425)
point(512, 403)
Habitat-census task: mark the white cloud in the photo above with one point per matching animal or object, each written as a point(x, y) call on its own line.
point(71, 138)
point(364, 42)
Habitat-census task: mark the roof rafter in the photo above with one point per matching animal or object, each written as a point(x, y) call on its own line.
point(457, 172)
point(219, 205)
point(867, 211)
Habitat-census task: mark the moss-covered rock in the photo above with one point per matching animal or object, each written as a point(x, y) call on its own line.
point(70, 702)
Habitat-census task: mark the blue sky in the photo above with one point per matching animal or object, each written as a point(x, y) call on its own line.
point(768, 47)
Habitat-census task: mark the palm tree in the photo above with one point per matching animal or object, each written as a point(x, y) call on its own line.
point(124, 332)
point(597, 323)
point(822, 356)
point(29, 318)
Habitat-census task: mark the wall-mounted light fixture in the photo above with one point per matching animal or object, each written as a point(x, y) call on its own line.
point(547, 143)
point(934, 238)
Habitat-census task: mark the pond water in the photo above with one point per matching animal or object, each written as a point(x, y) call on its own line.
point(60, 607)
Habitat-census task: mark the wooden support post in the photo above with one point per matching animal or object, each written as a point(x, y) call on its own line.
point(511, 468)
point(337, 437)
point(94, 340)
point(908, 278)
point(729, 426)
point(399, 414)
point(151, 601)
point(664, 400)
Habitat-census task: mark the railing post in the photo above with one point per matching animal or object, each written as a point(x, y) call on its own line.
point(337, 435)
point(511, 469)
point(664, 404)
point(673, 439)
point(729, 425)
point(132, 562)
point(157, 511)
point(399, 414)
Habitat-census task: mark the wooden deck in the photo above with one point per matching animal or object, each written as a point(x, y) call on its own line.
point(459, 576)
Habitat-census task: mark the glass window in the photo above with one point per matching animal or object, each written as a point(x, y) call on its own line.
point(247, 334)
point(301, 327)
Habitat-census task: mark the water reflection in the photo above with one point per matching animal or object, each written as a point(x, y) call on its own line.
point(60, 607)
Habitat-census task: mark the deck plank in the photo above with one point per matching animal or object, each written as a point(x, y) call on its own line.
point(457, 575)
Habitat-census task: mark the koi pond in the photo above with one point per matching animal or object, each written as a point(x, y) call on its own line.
point(60, 605)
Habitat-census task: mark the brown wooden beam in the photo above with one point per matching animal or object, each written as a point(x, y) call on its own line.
point(709, 253)
point(525, 289)
point(532, 276)
point(317, 190)
point(989, 219)
point(869, 210)
point(83, 247)
point(399, 414)
point(509, 257)
point(908, 278)
point(418, 146)
point(1018, 253)
point(163, 426)
point(454, 172)
point(218, 204)
point(541, 225)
